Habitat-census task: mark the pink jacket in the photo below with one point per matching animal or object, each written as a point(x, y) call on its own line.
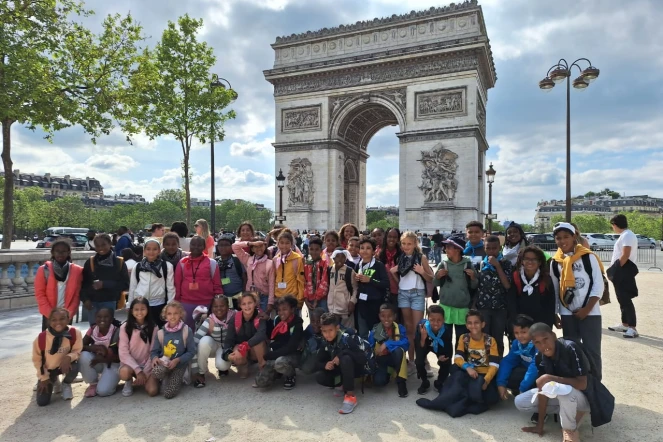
point(46, 292)
point(206, 279)
point(134, 352)
point(262, 277)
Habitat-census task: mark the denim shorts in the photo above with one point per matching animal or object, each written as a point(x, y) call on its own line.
point(414, 299)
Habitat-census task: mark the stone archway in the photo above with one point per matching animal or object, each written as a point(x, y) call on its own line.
point(427, 73)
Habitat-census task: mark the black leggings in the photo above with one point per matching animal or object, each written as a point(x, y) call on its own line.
point(45, 398)
point(155, 313)
point(420, 360)
point(343, 374)
point(627, 308)
point(496, 321)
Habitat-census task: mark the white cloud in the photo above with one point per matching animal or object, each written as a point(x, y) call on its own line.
point(384, 193)
point(253, 148)
point(121, 163)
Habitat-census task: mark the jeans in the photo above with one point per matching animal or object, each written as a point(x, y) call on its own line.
point(209, 348)
point(264, 300)
point(414, 299)
point(393, 360)
point(588, 331)
point(566, 406)
point(496, 321)
point(45, 398)
point(437, 254)
point(343, 374)
point(110, 376)
point(368, 314)
point(447, 335)
point(96, 306)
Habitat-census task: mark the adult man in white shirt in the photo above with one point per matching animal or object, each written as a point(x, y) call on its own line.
point(623, 268)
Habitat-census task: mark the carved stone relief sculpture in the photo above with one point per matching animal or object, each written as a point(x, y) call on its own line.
point(300, 119)
point(481, 116)
point(300, 183)
point(438, 179)
point(440, 104)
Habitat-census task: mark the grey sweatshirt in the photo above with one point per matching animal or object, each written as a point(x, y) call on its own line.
point(174, 346)
point(455, 292)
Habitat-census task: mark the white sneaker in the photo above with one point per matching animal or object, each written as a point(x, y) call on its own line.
point(128, 388)
point(411, 369)
point(429, 370)
point(36, 387)
point(618, 328)
point(67, 394)
point(631, 333)
point(57, 386)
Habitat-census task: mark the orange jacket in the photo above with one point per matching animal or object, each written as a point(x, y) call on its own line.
point(46, 292)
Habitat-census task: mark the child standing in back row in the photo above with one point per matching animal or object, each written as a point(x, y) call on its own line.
point(474, 247)
point(260, 275)
point(343, 288)
point(332, 240)
point(289, 269)
point(316, 278)
point(233, 275)
point(373, 286)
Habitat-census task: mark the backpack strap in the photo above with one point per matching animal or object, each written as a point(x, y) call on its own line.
point(348, 277)
point(587, 264)
point(41, 343)
point(213, 265)
point(47, 273)
point(238, 266)
point(517, 282)
point(137, 271)
point(92, 264)
point(164, 273)
point(256, 321)
point(238, 321)
point(555, 269)
point(488, 342)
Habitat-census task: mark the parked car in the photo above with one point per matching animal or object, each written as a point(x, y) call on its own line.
point(599, 241)
point(612, 236)
point(76, 240)
point(544, 241)
point(645, 243)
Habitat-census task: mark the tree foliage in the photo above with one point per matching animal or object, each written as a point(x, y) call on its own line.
point(640, 223)
point(386, 222)
point(55, 73)
point(173, 93)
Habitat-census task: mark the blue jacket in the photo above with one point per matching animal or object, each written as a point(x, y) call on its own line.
point(519, 355)
point(123, 242)
point(391, 344)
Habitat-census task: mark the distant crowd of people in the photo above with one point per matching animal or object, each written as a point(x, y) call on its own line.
point(378, 308)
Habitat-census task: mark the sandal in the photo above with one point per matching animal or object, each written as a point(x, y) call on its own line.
point(199, 384)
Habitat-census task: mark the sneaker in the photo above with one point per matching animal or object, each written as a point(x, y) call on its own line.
point(128, 388)
point(36, 387)
point(57, 386)
point(411, 369)
point(90, 391)
point(67, 394)
point(402, 389)
point(349, 404)
point(570, 436)
point(425, 386)
point(618, 328)
point(289, 382)
point(631, 333)
point(535, 418)
point(223, 373)
point(429, 370)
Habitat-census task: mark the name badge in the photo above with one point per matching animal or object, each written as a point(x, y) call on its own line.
point(225, 281)
point(193, 286)
point(363, 296)
point(281, 285)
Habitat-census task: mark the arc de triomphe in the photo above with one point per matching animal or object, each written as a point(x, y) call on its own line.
point(427, 72)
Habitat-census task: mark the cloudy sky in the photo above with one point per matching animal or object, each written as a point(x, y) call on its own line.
point(617, 123)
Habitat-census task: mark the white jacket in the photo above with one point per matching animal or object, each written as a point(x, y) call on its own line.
point(152, 287)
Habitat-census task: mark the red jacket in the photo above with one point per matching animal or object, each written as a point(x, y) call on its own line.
point(207, 278)
point(46, 292)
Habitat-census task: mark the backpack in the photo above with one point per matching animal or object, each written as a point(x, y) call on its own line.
point(41, 343)
point(488, 342)
point(238, 321)
point(586, 262)
point(519, 284)
point(122, 302)
point(435, 297)
point(164, 273)
point(370, 366)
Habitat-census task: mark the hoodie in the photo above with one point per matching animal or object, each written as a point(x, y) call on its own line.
point(454, 288)
point(519, 355)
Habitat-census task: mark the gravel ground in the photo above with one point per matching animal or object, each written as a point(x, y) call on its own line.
point(231, 410)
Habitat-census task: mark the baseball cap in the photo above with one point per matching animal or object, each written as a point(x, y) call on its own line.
point(564, 226)
point(456, 242)
point(553, 389)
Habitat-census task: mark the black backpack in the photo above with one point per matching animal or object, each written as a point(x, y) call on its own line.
point(164, 274)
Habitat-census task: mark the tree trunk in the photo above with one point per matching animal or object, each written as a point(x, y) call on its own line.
point(187, 192)
point(8, 204)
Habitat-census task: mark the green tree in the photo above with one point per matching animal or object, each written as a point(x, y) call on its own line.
point(54, 73)
point(375, 216)
point(175, 94)
point(384, 223)
point(175, 196)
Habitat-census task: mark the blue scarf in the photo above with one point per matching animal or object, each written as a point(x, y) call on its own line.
point(469, 248)
point(488, 266)
point(527, 349)
point(436, 338)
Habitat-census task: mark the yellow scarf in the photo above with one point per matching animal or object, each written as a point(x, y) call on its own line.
point(567, 279)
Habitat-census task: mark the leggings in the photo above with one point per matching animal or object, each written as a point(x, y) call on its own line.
point(45, 398)
point(171, 380)
point(343, 374)
point(496, 321)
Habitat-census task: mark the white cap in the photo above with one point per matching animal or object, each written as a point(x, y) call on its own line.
point(347, 254)
point(564, 226)
point(554, 389)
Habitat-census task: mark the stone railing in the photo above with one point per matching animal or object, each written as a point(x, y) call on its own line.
point(17, 275)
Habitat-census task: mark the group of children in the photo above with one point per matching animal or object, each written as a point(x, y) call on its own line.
point(253, 299)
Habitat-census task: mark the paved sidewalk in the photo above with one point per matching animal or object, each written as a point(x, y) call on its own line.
point(231, 410)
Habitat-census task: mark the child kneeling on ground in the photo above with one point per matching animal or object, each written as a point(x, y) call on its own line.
point(55, 352)
point(429, 338)
point(209, 340)
point(313, 341)
point(246, 337)
point(284, 352)
point(100, 355)
point(469, 389)
point(340, 361)
point(172, 351)
point(518, 371)
point(389, 341)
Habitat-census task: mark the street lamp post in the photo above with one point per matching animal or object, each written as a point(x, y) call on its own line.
point(557, 74)
point(280, 181)
point(490, 177)
point(216, 82)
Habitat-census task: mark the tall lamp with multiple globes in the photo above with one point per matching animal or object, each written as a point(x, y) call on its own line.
point(557, 74)
point(217, 82)
point(280, 181)
point(490, 177)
